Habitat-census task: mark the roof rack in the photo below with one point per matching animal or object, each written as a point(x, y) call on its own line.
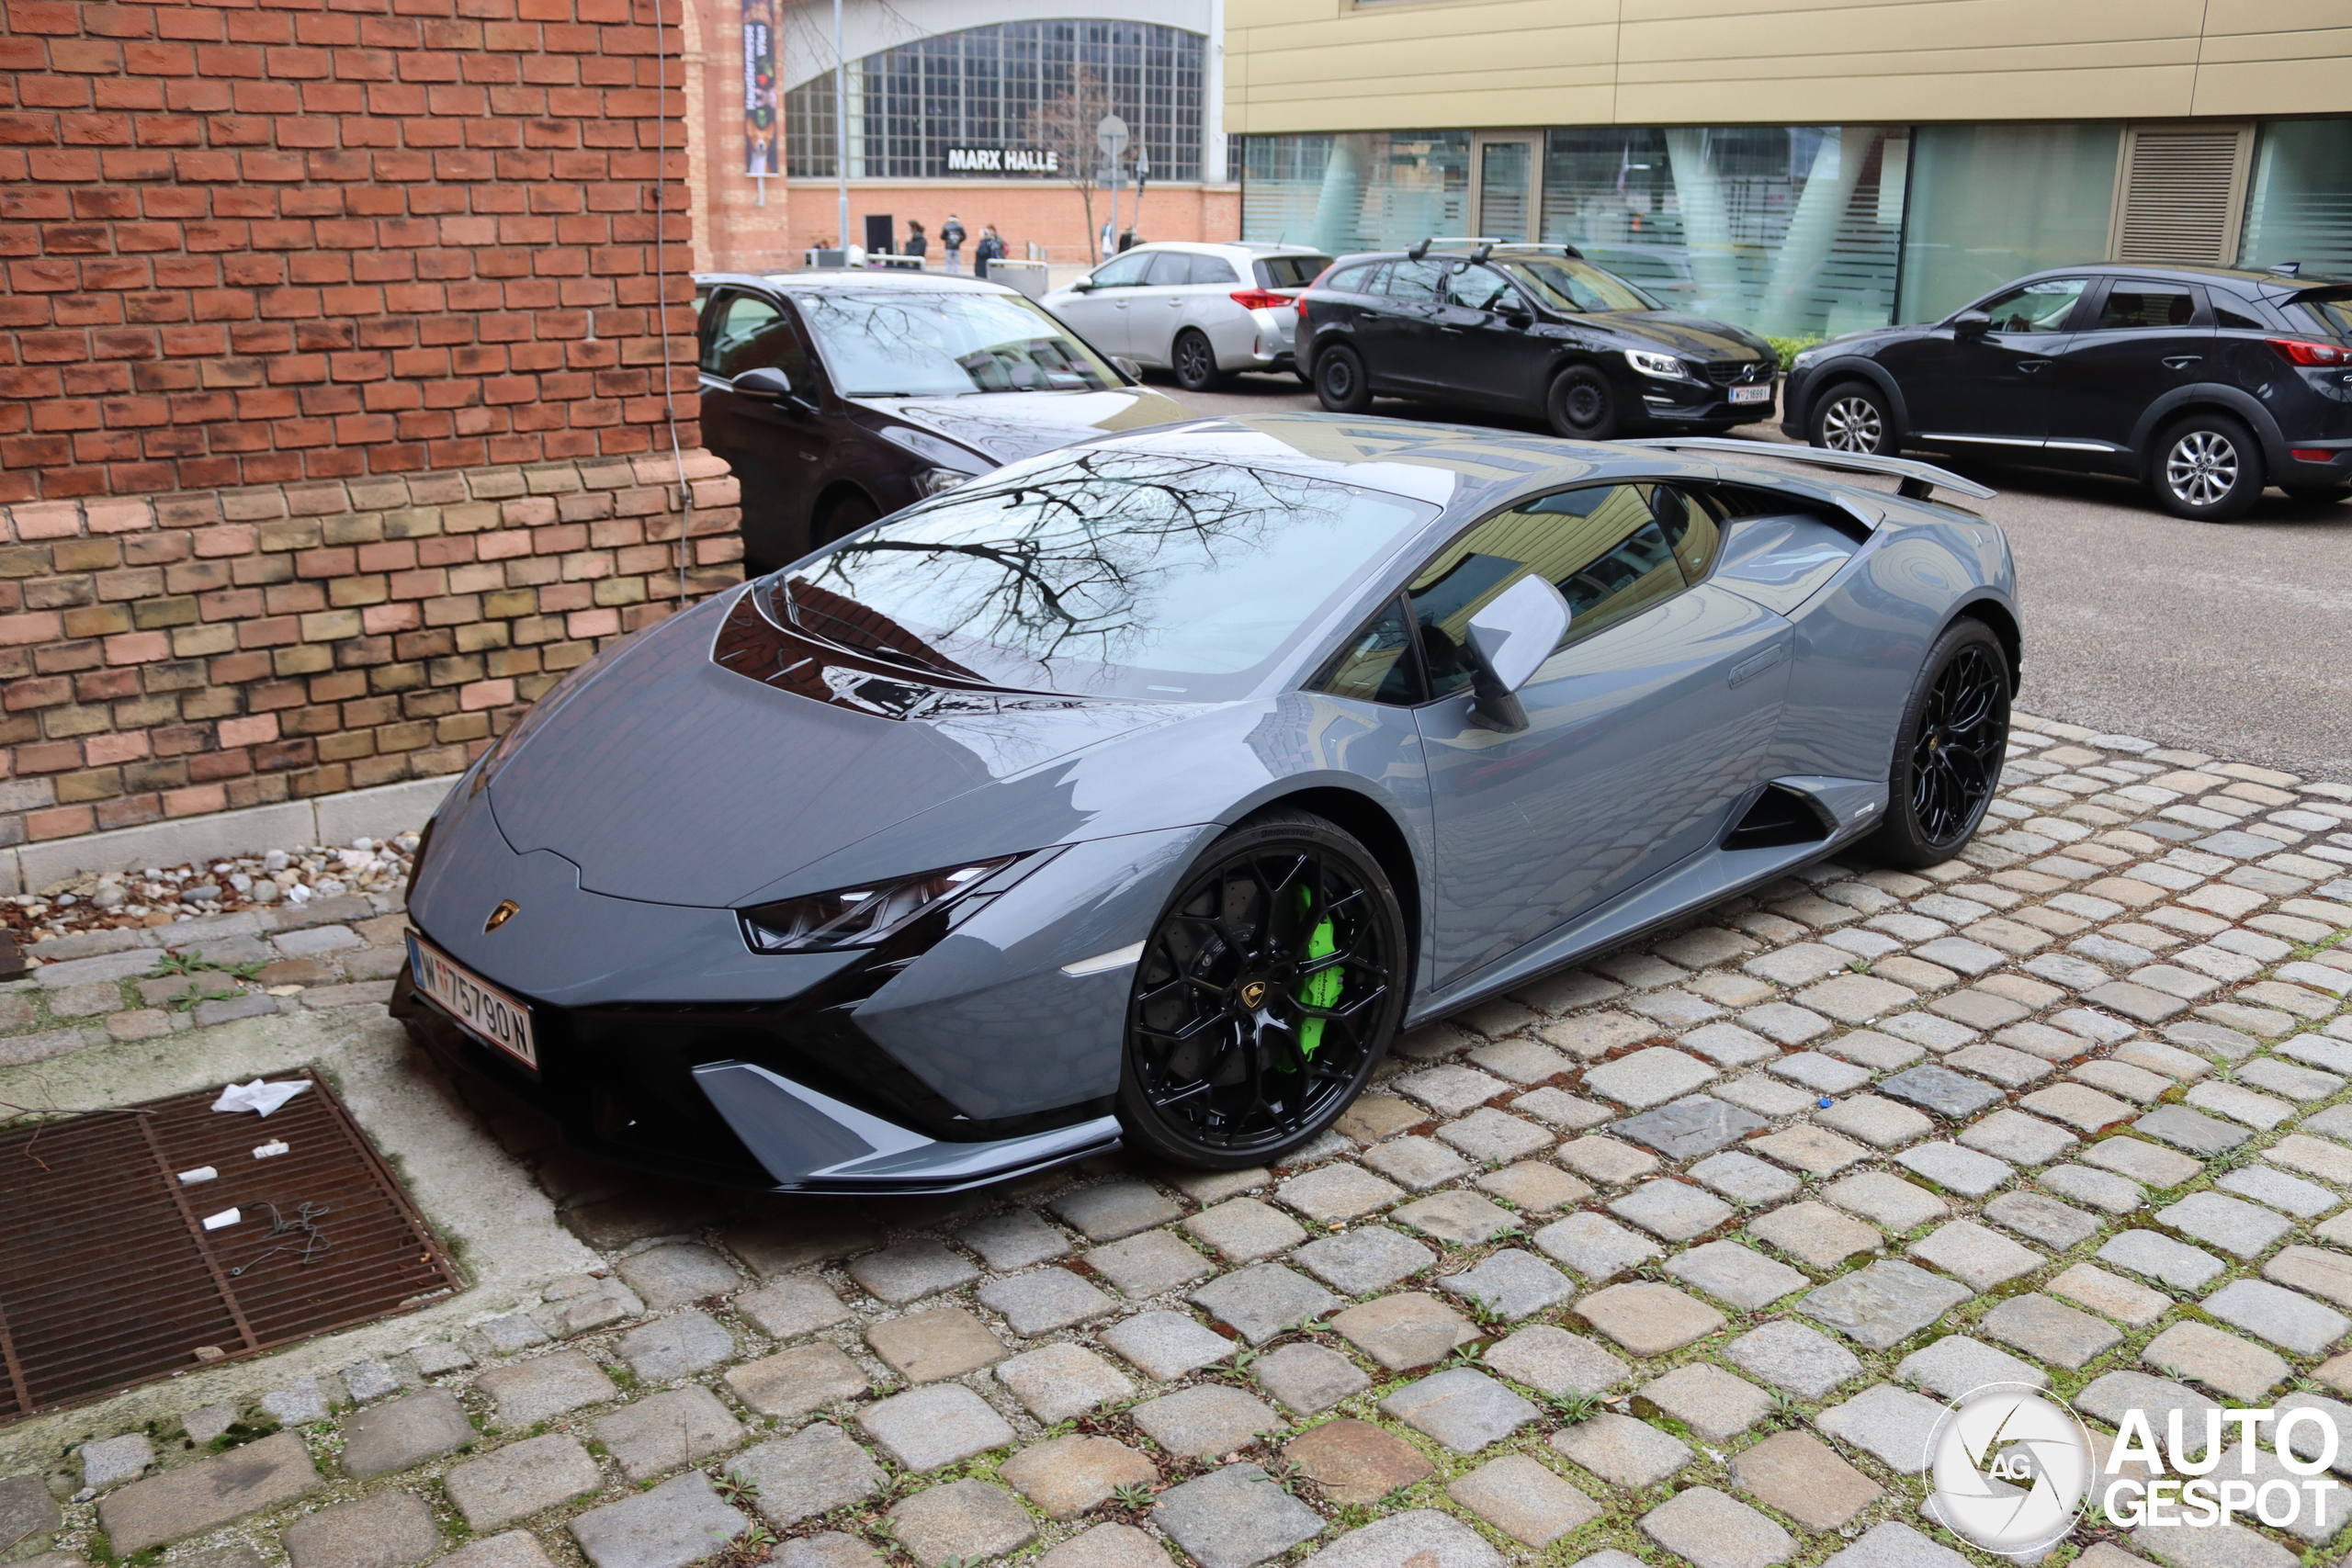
point(1919, 478)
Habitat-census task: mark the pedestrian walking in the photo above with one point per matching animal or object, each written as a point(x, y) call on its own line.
point(951, 240)
point(990, 248)
point(917, 245)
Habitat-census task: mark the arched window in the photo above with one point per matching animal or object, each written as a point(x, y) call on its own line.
point(1027, 85)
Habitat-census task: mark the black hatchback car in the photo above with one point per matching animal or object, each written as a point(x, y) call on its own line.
point(1531, 329)
point(840, 396)
point(2205, 383)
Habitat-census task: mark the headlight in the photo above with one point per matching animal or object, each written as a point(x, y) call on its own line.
point(938, 482)
point(1805, 356)
point(1664, 365)
point(861, 917)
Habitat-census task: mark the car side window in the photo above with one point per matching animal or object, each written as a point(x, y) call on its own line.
point(1378, 665)
point(1127, 271)
point(1362, 279)
point(1690, 530)
point(1478, 288)
point(2040, 307)
point(1169, 268)
point(2235, 314)
point(1414, 280)
point(1604, 546)
point(2132, 303)
point(1213, 269)
point(753, 333)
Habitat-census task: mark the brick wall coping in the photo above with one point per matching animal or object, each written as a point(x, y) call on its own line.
point(35, 521)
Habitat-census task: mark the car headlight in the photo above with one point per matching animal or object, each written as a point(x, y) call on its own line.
point(1805, 356)
point(1664, 365)
point(866, 916)
point(938, 481)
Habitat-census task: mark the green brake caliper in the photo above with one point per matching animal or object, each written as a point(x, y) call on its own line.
point(1322, 989)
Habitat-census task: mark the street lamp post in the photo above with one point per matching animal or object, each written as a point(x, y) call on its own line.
point(840, 130)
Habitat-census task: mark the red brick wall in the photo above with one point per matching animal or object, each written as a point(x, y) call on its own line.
point(173, 655)
point(254, 241)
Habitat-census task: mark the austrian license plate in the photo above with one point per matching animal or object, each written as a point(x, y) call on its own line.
point(1751, 394)
point(482, 1008)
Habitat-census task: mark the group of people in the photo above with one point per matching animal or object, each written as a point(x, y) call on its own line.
point(952, 236)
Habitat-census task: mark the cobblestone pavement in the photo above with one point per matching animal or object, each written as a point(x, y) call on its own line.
point(1675, 1256)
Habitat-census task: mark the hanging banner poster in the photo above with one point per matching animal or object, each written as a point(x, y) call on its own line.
point(760, 116)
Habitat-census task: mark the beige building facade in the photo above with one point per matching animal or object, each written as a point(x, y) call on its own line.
point(1804, 167)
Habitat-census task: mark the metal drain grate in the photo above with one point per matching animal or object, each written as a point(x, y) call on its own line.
point(109, 1280)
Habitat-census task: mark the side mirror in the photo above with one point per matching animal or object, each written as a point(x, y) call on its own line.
point(1083, 286)
point(1970, 323)
point(770, 385)
point(1128, 368)
point(1521, 319)
point(1508, 641)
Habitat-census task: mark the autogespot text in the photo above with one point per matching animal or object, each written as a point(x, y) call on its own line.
point(2176, 1490)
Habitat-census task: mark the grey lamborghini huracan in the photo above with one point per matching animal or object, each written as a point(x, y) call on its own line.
point(1145, 789)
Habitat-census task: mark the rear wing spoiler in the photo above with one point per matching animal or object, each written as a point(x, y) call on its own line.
point(1919, 478)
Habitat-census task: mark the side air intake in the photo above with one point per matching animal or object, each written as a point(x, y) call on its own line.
point(1779, 819)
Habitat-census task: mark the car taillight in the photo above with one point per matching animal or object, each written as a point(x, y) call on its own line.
point(2302, 351)
point(2313, 454)
point(1259, 299)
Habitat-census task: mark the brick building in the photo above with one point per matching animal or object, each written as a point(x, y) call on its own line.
point(335, 396)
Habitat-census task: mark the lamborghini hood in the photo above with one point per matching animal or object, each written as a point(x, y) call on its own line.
point(667, 778)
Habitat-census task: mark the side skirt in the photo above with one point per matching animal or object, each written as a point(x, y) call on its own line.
point(1708, 877)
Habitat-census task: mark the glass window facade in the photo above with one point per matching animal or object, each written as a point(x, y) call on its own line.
point(1355, 192)
point(1789, 229)
point(993, 86)
point(1793, 231)
point(2300, 208)
point(1989, 202)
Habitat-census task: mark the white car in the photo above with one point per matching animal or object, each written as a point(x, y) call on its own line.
point(1202, 311)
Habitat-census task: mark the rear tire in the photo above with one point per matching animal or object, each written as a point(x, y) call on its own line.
point(1218, 1068)
point(1581, 405)
point(1853, 416)
point(1340, 383)
point(2207, 468)
point(1195, 362)
point(1948, 751)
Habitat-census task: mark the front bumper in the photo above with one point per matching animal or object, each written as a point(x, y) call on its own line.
point(729, 1095)
point(1674, 402)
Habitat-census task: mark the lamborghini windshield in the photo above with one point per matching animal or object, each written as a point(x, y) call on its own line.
point(899, 343)
point(1112, 573)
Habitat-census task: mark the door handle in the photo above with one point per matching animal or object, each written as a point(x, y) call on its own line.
point(2031, 365)
point(2178, 360)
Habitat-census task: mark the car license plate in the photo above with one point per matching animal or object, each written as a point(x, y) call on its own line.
point(1751, 394)
point(482, 1008)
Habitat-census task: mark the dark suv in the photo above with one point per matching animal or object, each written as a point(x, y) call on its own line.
point(1533, 330)
point(2205, 383)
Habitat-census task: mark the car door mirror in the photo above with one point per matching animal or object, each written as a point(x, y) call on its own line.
point(1970, 323)
point(1508, 642)
point(1518, 318)
point(1084, 285)
point(770, 385)
point(1128, 368)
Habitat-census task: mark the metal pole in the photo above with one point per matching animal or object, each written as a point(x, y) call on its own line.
point(1113, 249)
point(841, 129)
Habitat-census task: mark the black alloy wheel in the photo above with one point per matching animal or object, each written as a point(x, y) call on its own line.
point(1581, 405)
point(1196, 363)
point(843, 517)
point(1853, 417)
point(2207, 468)
point(1264, 998)
point(1340, 383)
point(1948, 754)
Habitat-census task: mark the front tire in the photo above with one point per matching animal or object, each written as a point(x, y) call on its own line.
point(1853, 417)
point(1340, 383)
point(1581, 405)
point(1194, 361)
point(1267, 992)
point(2207, 468)
point(843, 517)
point(1949, 750)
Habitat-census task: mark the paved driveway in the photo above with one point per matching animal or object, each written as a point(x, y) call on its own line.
point(2236, 639)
